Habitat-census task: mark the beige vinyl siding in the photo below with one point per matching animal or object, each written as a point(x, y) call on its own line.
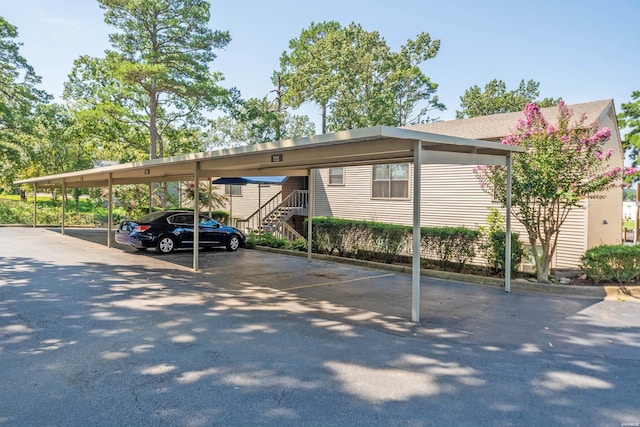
point(247, 203)
point(608, 208)
point(451, 196)
point(353, 199)
point(571, 240)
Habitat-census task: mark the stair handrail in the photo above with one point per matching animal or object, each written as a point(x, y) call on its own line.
point(251, 219)
point(295, 199)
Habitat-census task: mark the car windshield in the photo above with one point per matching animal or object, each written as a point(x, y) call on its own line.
point(153, 216)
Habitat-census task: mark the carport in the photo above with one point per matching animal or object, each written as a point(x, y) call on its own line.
point(300, 157)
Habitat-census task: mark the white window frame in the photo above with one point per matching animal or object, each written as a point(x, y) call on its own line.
point(228, 190)
point(341, 175)
point(390, 180)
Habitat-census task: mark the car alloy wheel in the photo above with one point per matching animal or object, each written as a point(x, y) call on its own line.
point(165, 245)
point(233, 244)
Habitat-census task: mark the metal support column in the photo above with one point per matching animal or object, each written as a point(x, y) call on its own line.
point(310, 211)
point(507, 245)
point(64, 200)
point(110, 212)
point(196, 215)
point(35, 207)
point(415, 263)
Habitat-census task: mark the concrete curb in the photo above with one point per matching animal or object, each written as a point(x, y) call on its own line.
point(621, 293)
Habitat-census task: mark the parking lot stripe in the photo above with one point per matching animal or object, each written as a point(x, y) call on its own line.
point(338, 282)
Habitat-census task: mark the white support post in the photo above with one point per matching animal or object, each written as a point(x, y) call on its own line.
point(196, 215)
point(507, 245)
point(35, 207)
point(310, 211)
point(415, 263)
point(64, 199)
point(110, 211)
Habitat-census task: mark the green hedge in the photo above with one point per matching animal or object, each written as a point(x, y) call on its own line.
point(612, 262)
point(384, 242)
point(449, 245)
point(497, 251)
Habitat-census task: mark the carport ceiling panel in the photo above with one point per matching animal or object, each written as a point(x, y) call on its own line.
point(344, 153)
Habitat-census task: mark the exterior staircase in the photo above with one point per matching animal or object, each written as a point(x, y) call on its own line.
point(273, 215)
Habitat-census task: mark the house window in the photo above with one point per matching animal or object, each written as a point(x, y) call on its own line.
point(336, 176)
point(390, 181)
point(232, 190)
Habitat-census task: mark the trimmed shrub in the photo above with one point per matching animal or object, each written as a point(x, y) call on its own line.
point(221, 216)
point(449, 245)
point(497, 250)
point(378, 241)
point(612, 262)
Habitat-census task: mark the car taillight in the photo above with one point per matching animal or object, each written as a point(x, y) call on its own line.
point(141, 228)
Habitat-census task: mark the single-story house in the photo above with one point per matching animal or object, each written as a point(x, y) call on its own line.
point(451, 194)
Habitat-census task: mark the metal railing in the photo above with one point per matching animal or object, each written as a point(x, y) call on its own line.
point(274, 213)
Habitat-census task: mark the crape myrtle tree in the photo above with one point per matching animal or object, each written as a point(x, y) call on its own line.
point(355, 78)
point(563, 164)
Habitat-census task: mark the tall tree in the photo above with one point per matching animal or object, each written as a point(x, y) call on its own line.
point(19, 98)
point(496, 99)
point(629, 119)
point(563, 164)
point(355, 79)
point(157, 74)
point(258, 120)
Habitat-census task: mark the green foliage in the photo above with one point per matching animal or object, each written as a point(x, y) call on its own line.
point(19, 98)
point(496, 99)
point(449, 245)
point(255, 121)
point(629, 120)
point(354, 77)
point(384, 242)
point(156, 81)
point(300, 244)
point(497, 251)
point(492, 243)
point(221, 216)
point(269, 240)
point(205, 195)
point(612, 262)
point(563, 164)
point(15, 212)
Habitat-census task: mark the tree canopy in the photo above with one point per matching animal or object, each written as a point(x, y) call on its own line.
point(355, 78)
point(496, 99)
point(157, 75)
point(563, 164)
point(629, 118)
point(19, 99)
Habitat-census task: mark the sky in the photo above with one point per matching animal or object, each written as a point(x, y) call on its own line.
point(579, 50)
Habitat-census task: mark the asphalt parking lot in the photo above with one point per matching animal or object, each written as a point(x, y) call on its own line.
point(97, 336)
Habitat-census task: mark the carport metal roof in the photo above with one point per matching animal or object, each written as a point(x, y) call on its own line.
point(299, 157)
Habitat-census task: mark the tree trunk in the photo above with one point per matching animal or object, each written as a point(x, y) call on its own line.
point(153, 136)
point(324, 119)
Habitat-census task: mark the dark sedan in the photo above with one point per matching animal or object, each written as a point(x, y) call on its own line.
point(168, 230)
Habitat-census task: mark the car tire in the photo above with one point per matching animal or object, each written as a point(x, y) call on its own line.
point(166, 245)
point(234, 243)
